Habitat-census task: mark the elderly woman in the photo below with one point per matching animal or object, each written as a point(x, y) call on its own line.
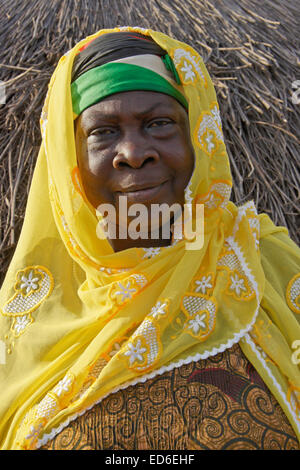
point(121, 342)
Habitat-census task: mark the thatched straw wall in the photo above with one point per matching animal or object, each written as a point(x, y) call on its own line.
point(251, 48)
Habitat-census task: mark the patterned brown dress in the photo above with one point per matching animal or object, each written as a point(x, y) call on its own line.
point(216, 403)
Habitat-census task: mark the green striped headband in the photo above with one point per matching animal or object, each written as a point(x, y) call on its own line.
point(142, 72)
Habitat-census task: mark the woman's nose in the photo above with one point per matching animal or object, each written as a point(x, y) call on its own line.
point(134, 151)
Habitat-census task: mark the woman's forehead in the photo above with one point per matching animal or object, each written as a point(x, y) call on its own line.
point(137, 103)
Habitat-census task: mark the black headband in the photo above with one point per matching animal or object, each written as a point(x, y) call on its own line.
point(113, 46)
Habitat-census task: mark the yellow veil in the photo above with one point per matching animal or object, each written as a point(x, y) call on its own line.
point(79, 321)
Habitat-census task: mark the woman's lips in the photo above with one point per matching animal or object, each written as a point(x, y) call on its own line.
point(143, 195)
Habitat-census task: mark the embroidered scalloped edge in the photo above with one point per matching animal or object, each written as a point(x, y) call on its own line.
point(234, 245)
point(236, 338)
point(276, 384)
point(249, 205)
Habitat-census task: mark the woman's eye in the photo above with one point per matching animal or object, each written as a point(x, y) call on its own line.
point(102, 132)
point(160, 123)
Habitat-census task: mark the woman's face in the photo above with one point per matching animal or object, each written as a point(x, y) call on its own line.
point(134, 144)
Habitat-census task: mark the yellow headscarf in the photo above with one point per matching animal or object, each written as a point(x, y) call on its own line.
point(79, 321)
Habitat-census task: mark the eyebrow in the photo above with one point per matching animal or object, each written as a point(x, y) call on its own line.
point(111, 116)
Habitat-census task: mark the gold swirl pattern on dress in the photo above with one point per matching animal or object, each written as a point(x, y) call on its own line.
point(193, 406)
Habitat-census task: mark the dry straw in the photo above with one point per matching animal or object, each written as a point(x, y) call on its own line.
point(251, 49)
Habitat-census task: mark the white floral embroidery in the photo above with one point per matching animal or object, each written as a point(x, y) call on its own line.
point(34, 284)
point(196, 323)
point(159, 309)
point(187, 57)
point(149, 332)
point(21, 323)
point(63, 386)
point(125, 291)
point(203, 284)
point(213, 201)
point(135, 352)
point(188, 69)
point(207, 125)
point(237, 284)
point(151, 252)
point(198, 308)
point(210, 144)
point(29, 282)
point(140, 279)
point(218, 195)
point(34, 432)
